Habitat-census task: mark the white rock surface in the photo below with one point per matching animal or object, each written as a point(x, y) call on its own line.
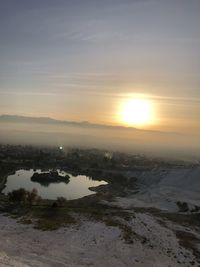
point(90, 244)
point(162, 188)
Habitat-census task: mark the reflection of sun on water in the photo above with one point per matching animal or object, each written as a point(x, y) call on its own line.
point(136, 112)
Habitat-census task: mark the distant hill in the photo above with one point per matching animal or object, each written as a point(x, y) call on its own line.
point(85, 124)
point(46, 120)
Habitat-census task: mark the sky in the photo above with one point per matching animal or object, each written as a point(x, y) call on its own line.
point(80, 60)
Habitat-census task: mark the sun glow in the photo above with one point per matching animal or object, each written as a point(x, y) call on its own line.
point(136, 112)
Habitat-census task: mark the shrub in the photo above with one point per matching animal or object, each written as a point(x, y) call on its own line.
point(61, 201)
point(183, 206)
point(54, 205)
point(32, 196)
point(22, 196)
point(18, 195)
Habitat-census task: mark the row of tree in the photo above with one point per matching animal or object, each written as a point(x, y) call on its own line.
point(22, 196)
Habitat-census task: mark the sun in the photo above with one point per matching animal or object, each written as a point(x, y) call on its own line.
point(136, 112)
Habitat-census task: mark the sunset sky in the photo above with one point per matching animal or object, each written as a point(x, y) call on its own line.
point(83, 60)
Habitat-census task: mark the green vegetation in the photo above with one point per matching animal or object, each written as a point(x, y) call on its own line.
point(49, 218)
point(46, 216)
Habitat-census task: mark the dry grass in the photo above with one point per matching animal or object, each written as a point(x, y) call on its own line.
point(189, 241)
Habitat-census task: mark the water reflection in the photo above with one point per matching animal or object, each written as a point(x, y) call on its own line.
point(76, 188)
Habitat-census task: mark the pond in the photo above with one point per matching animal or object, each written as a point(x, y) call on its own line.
point(77, 187)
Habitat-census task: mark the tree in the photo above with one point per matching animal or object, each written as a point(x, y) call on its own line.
point(32, 196)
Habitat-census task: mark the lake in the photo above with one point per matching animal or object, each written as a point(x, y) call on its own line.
point(76, 188)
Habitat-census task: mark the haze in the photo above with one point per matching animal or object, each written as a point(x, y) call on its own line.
point(81, 60)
